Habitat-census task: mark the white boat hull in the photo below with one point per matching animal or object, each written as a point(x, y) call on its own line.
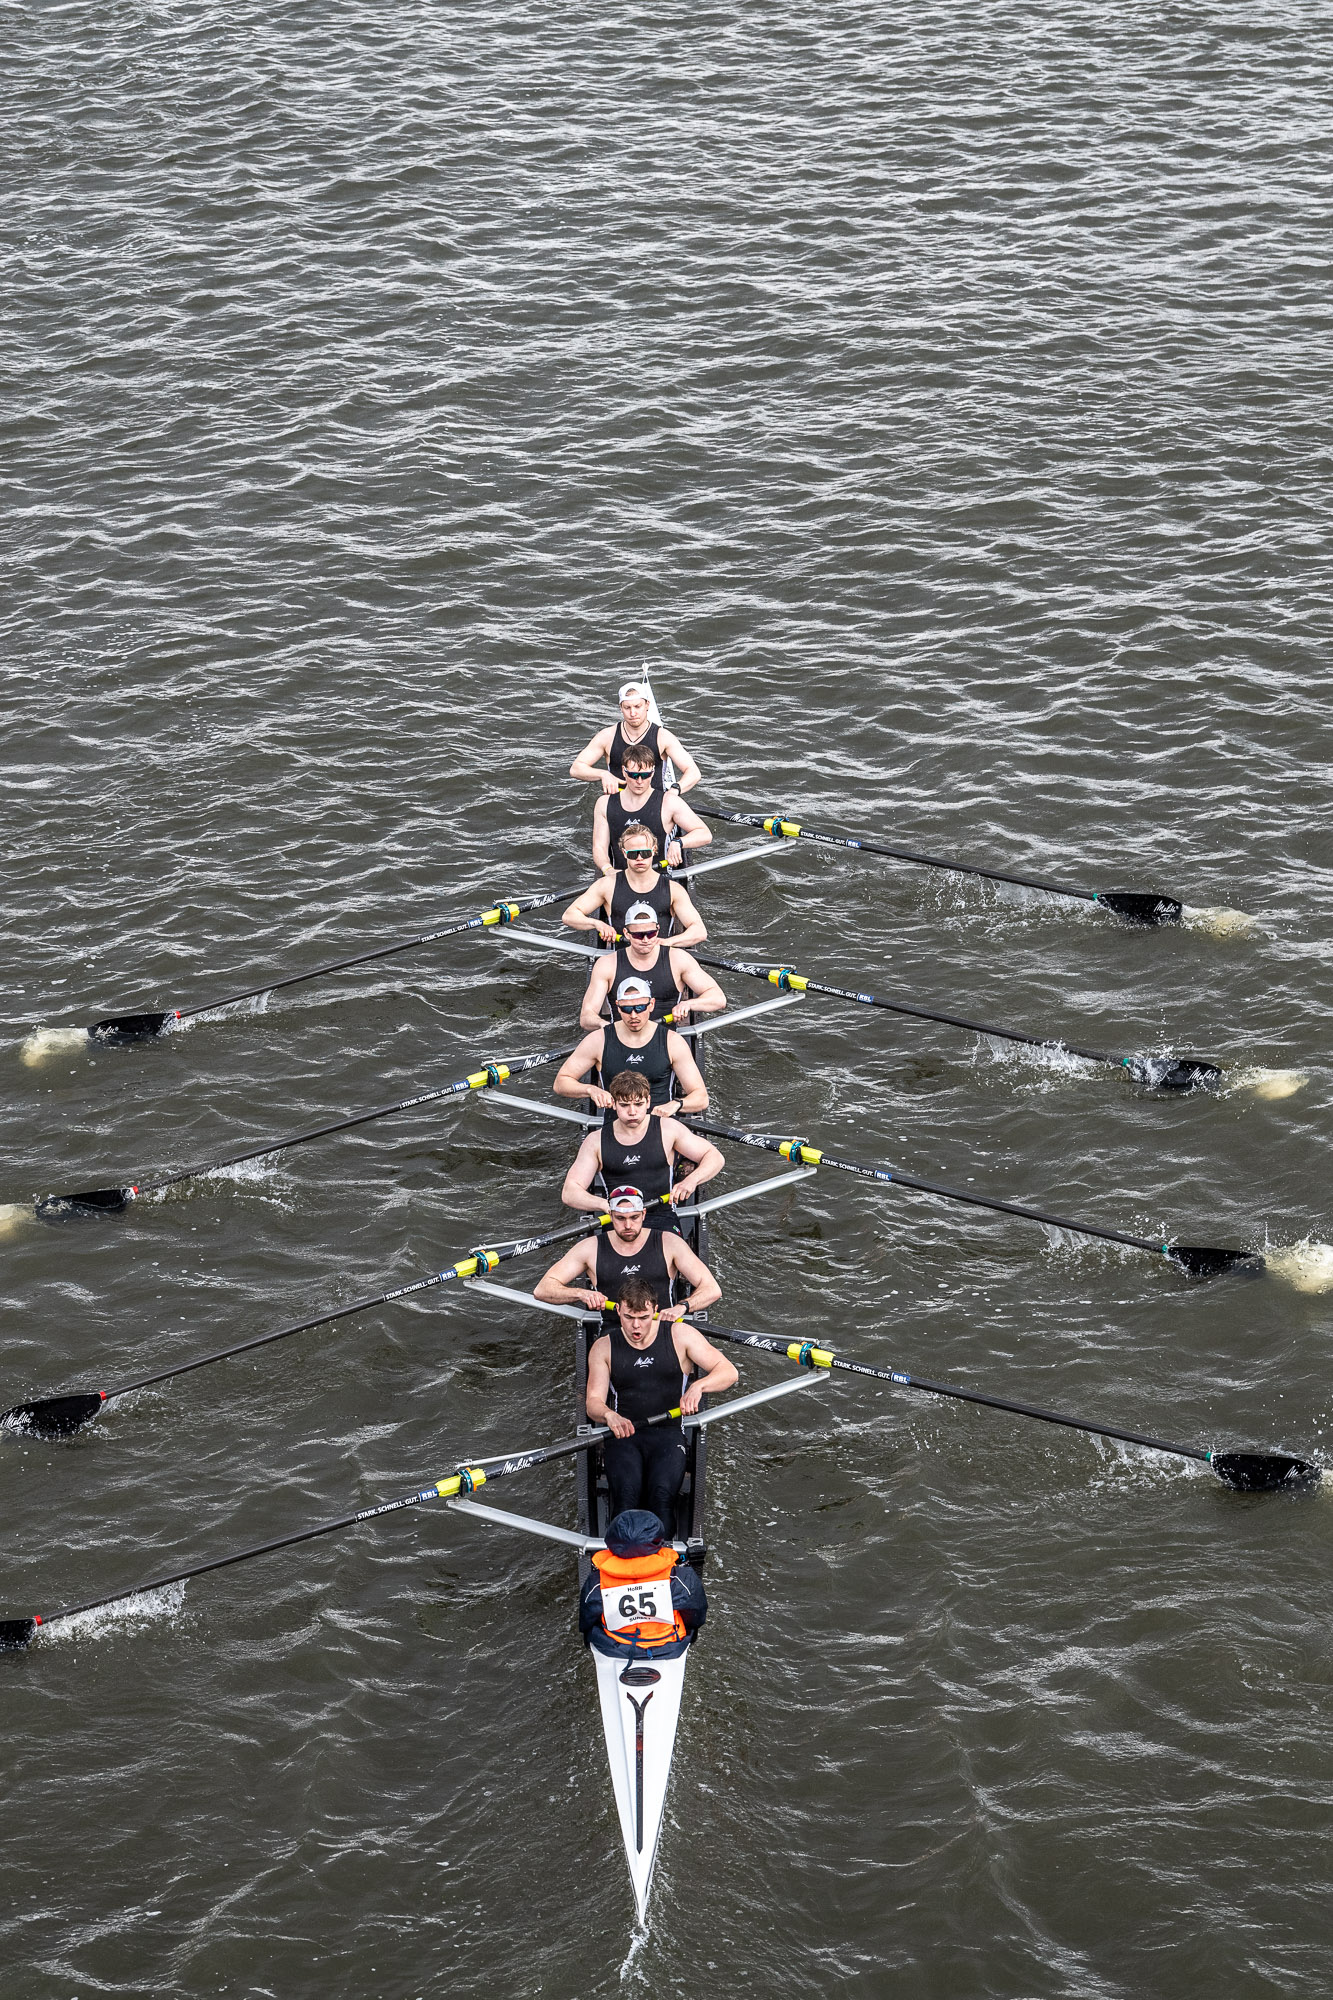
point(640, 1725)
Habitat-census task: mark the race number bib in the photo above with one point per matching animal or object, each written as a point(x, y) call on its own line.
point(636, 1603)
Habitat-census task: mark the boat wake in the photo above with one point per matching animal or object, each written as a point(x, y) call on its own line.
point(1218, 921)
point(1271, 1084)
point(45, 1044)
point(1306, 1266)
point(130, 1614)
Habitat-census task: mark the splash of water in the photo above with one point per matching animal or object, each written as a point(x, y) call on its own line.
point(1270, 1083)
point(1053, 1060)
point(13, 1214)
point(1306, 1265)
point(128, 1614)
point(1218, 921)
point(45, 1043)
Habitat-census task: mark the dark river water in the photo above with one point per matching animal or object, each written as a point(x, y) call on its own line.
point(940, 404)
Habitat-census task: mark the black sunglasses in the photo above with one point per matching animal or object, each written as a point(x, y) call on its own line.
point(633, 1006)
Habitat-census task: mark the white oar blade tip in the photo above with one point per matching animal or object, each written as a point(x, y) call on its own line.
point(1218, 921)
point(1306, 1266)
point(44, 1045)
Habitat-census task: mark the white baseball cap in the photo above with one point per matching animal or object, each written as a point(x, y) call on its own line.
point(634, 989)
point(642, 913)
point(635, 687)
point(624, 1200)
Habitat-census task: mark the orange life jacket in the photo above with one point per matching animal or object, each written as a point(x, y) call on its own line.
point(622, 1578)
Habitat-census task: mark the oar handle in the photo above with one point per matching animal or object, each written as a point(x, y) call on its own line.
point(811, 1355)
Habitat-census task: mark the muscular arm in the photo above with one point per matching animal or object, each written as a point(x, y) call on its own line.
point(588, 911)
point(599, 1382)
point(684, 828)
point(682, 1263)
point(702, 993)
point(595, 993)
point(691, 1090)
point(687, 771)
point(569, 1078)
point(682, 1144)
point(601, 839)
point(589, 766)
point(572, 1281)
point(690, 926)
point(576, 1192)
point(715, 1371)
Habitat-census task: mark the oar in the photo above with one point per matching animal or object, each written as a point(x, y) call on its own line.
point(142, 1027)
point(1136, 906)
point(1242, 1471)
point(62, 1416)
point(1157, 1072)
point(15, 1632)
point(111, 1200)
point(1200, 1260)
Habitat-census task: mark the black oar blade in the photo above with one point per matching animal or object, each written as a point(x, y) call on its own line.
point(53, 1416)
point(1265, 1471)
point(128, 1028)
point(1203, 1260)
point(91, 1201)
point(1175, 1072)
point(1138, 906)
point(15, 1632)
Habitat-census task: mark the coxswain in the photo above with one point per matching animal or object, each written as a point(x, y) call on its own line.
point(640, 1598)
point(637, 1041)
point(633, 728)
point(680, 987)
point(605, 907)
point(638, 804)
point(638, 1369)
point(631, 1147)
point(596, 1270)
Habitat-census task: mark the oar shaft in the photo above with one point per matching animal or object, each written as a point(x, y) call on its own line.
point(788, 980)
point(494, 1073)
point(792, 830)
point(792, 1149)
point(484, 919)
point(467, 1267)
point(823, 1357)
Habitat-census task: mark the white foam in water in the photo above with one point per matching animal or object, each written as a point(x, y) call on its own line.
point(1056, 1061)
point(1218, 921)
point(44, 1043)
point(13, 1214)
point(1307, 1266)
point(257, 1004)
point(1270, 1083)
point(129, 1614)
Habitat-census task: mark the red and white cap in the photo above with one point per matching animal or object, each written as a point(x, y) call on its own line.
point(624, 1200)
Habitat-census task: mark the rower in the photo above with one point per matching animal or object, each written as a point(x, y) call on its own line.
point(637, 1041)
point(633, 728)
point(596, 1270)
point(631, 1147)
point(640, 884)
point(637, 1574)
point(640, 1369)
point(665, 814)
point(678, 983)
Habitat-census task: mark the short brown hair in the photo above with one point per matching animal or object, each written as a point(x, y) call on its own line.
point(629, 1084)
point(637, 1295)
point(638, 753)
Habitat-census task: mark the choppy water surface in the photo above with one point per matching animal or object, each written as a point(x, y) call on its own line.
point(941, 403)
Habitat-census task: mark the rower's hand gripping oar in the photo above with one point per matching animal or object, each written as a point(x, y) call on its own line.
point(63, 1416)
point(16, 1632)
point(1136, 906)
point(1200, 1260)
point(1156, 1072)
point(1242, 1471)
point(121, 1028)
point(112, 1200)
